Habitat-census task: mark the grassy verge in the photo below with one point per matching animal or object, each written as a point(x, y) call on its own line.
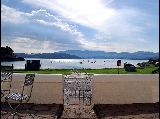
point(147, 70)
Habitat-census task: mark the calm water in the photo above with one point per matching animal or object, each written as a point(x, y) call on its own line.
point(74, 63)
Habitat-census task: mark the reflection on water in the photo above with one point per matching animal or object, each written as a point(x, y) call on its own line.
point(73, 63)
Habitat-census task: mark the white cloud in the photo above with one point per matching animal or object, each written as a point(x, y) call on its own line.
point(30, 45)
point(42, 17)
point(122, 24)
point(91, 13)
point(101, 36)
point(9, 14)
point(107, 21)
point(98, 15)
point(34, 45)
point(86, 44)
point(142, 40)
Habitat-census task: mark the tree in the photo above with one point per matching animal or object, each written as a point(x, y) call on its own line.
point(7, 52)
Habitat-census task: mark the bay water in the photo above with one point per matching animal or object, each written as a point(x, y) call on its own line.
point(74, 63)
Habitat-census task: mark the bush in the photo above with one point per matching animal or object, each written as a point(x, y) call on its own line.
point(129, 67)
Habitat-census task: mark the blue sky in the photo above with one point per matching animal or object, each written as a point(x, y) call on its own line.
point(38, 26)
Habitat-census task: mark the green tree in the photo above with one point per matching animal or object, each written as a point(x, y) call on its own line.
point(7, 52)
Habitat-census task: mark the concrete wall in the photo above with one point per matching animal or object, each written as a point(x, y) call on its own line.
point(125, 89)
point(47, 89)
point(107, 89)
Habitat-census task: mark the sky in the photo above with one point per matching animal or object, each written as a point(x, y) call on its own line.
point(47, 26)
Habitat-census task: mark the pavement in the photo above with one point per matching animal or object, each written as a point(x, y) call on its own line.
point(109, 111)
point(129, 111)
point(38, 111)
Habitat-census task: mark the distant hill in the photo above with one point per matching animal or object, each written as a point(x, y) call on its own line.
point(86, 54)
point(112, 55)
point(55, 55)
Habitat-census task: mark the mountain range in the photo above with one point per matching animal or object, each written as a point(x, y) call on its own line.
point(55, 55)
point(86, 54)
point(112, 55)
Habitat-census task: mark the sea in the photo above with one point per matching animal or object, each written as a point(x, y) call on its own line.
point(74, 63)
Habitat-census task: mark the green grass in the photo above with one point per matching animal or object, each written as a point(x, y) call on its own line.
point(147, 70)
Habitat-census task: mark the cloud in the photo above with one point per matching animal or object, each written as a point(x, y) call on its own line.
point(142, 40)
point(34, 45)
point(83, 42)
point(45, 18)
point(39, 19)
point(29, 45)
point(126, 25)
point(9, 14)
point(123, 23)
point(101, 36)
point(95, 14)
point(90, 13)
